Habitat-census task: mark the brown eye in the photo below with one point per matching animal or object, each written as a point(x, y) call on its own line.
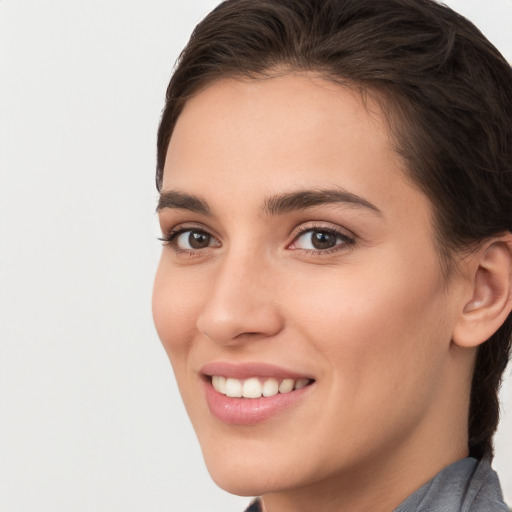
point(193, 240)
point(321, 240)
point(198, 239)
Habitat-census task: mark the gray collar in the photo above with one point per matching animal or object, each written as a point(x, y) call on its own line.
point(466, 486)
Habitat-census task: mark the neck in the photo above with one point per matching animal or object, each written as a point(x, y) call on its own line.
point(384, 479)
point(381, 489)
point(376, 485)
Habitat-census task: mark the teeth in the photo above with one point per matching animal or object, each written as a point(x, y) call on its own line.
point(270, 387)
point(251, 388)
point(219, 383)
point(286, 386)
point(301, 383)
point(233, 388)
point(255, 387)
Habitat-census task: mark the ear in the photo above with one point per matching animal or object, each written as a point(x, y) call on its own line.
point(490, 274)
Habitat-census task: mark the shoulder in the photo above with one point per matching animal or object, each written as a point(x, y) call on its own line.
point(484, 494)
point(468, 485)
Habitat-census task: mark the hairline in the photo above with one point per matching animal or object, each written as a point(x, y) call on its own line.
point(395, 121)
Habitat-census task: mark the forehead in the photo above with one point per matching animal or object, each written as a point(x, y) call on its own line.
point(246, 138)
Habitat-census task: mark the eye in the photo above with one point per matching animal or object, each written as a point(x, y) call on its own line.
point(190, 240)
point(320, 240)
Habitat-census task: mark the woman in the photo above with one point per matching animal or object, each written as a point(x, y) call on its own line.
point(334, 291)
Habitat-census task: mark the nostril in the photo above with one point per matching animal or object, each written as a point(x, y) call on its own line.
point(248, 334)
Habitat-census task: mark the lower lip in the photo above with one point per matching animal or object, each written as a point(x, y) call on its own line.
point(250, 411)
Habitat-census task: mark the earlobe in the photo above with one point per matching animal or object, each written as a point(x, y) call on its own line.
point(491, 298)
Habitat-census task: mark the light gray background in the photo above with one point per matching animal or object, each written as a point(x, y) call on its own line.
point(90, 418)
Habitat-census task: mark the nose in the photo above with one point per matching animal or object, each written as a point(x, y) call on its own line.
point(242, 303)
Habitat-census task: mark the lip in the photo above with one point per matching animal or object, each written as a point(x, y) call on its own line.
point(250, 411)
point(248, 370)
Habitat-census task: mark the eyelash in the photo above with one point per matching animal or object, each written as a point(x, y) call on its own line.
point(347, 242)
point(170, 239)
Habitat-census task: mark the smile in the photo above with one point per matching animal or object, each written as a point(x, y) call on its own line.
point(250, 393)
point(256, 387)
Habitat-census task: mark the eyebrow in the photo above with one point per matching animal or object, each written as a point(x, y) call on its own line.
point(304, 199)
point(274, 205)
point(182, 201)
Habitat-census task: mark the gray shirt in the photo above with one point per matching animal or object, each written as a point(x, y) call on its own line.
point(466, 486)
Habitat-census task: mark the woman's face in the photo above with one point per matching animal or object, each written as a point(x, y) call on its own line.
point(300, 257)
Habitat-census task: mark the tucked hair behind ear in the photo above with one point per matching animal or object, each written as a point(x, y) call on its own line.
point(447, 93)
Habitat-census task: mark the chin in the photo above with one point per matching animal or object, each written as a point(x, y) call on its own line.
point(256, 468)
point(248, 481)
point(242, 471)
point(240, 485)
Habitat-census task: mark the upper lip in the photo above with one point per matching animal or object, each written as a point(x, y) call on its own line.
point(248, 370)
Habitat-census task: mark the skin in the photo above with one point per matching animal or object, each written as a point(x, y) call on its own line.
point(372, 319)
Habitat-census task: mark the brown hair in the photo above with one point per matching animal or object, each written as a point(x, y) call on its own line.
point(447, 93)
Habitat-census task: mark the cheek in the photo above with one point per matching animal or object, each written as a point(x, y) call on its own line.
point(381, 322)
point(175, 307)
point(380, 340)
